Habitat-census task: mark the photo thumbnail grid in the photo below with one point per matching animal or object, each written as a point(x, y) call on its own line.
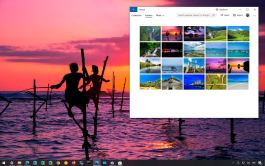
point(194, 57)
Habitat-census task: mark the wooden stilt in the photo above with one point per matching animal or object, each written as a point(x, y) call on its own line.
point(85, 131)
point(180, 125)
point(47, 97)
point(113, 94)
point(34, 105)
point(8, 103)
point(232, 134)
point(123, 93)
point(263, 102)
point(97, 97)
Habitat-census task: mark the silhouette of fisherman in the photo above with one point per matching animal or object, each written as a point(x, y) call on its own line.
point(72, 95)
point(95, 79)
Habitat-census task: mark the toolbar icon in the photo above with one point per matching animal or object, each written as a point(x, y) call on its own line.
point(65, 162)
point(81, 162)
point(35, 162)
point(58, 162)
point(119, 163)
point(27, 162)
point(104, 162)
point(50, 162)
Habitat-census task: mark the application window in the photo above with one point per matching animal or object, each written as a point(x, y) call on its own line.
point(194, 62)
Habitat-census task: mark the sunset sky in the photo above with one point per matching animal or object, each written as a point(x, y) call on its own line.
point(38, 39)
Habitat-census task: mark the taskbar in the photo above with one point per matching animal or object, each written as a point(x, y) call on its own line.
point(132, 162)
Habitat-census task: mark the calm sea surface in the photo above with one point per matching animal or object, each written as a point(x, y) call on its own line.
point(57, 137)
point(215, 52)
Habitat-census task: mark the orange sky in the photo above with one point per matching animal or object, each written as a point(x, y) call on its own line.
point(38, 39)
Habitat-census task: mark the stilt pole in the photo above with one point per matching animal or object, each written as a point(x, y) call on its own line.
point(97, 98)
point(113, 94)
point(232, 134)
point(263, 102)
point(123, 93)
point(34, 105)
point(85, 131)
point(181, 121)
point(47, 97)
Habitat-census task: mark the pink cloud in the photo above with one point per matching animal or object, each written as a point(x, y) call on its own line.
point(117, 48)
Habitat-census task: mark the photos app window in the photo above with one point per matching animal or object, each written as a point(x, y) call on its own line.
point(194, 62)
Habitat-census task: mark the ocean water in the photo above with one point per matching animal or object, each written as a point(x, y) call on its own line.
point(172, 69)
point(238, 53)
point(57, 137)
point(215, 52)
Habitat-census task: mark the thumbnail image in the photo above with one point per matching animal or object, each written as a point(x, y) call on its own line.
point(150, 33)
point(150, 49)
point(215, 65)
point(215, 81)
point(150, 82)
point(216, 33)
point(238, 33)
point(193, 81)
point(238, 49)
point(150, 65)
point(193, 33)
point(216, 49)
point(172, 82)
point(194, 65)
point(172, 33)
point(171, 49)
point(194, 49)
point(172, 65)
point(237, 82)
point(238, 65)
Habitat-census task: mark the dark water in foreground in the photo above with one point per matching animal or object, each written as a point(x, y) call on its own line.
point(57, 137)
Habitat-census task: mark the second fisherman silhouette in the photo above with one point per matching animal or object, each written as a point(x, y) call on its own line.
point(72, 95)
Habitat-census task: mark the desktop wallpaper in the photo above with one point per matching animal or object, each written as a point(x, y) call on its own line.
point(39, 39)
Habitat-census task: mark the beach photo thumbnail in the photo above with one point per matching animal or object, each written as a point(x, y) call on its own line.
point(216, 81)
point(150, 49)
point(237, 82)
point(150, 65)
point(215, 49)
point(172, 33)
point(150, 33)
point(194, 82)
point(172, 65)
point(194, 65)
point(194, 33)
point(172, 82)
point(172, 49)
point(216, 33)
point(238, 49)
point(194, 49)
point(238, 33)
point(215, 65)
point(150, 82)
point(238, 65)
